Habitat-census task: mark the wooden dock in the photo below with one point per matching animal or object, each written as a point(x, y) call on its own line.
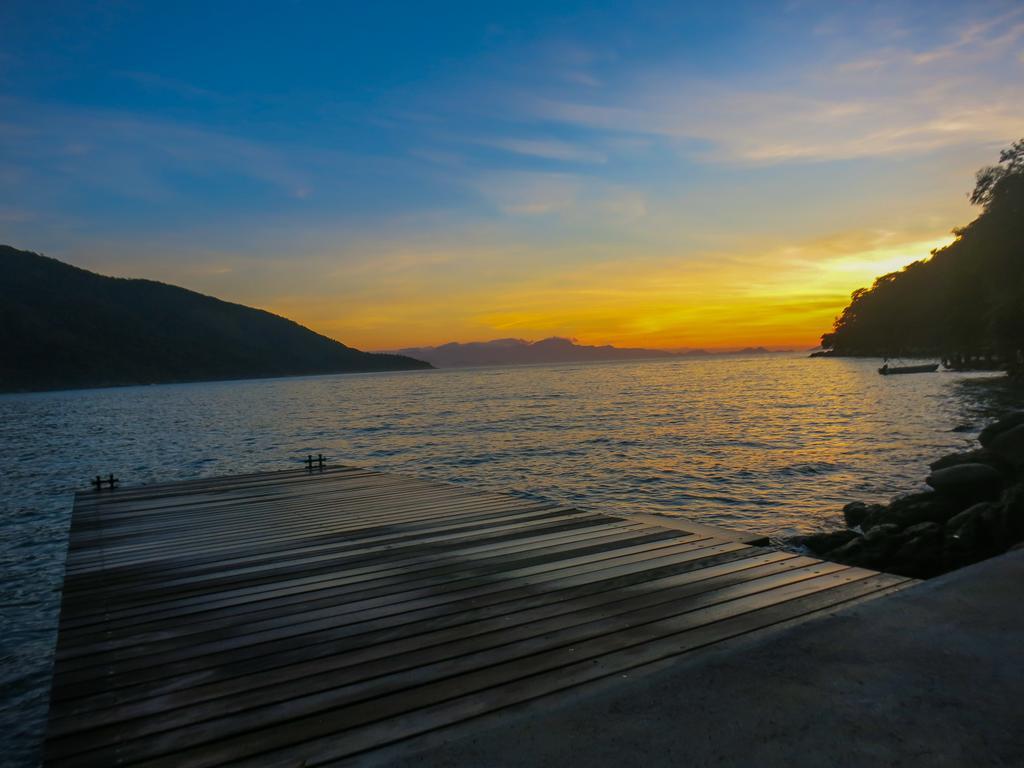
point(308, 618)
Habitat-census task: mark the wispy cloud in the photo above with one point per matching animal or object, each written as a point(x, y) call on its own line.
point(978, 39)
point(135, 154)
point(525, 193)
point(586, 201)
point(885, 101)
point(548, 149)
point(652, 182)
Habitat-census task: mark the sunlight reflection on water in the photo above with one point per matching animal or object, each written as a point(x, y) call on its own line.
point(769, 444)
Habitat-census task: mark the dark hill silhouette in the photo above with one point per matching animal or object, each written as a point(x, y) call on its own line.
point(964, 304)
point(63, 327)
point(520, 351)
point(552, 350)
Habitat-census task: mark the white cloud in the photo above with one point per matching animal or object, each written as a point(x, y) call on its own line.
point(967, 88)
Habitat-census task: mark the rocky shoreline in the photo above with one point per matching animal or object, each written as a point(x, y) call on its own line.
point(974, 510)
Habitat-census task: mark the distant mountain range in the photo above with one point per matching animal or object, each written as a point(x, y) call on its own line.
point(553, 350)
point(63, 327)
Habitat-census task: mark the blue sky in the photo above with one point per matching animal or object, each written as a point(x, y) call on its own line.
point(667, 174)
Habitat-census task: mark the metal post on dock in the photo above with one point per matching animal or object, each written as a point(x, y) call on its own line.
point(319, 462)
point(110, 481)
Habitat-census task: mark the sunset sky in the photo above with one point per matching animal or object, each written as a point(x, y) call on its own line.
point(647, 174)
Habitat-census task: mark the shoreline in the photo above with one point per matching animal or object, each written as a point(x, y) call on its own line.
point(973, 511)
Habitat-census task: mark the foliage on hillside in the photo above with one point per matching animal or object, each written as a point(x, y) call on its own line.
point(63, 327)
point(967, 300)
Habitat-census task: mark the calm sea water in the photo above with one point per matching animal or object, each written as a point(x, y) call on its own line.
point(772, 444)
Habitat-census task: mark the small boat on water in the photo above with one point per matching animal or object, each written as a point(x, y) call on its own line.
point(887, 370)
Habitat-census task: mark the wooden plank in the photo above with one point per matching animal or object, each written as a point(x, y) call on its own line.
point(350, 553)
point(473, 518)
point(365, 539)
point(283, 617)
point(171, 513)
point(391, 536)
point(334, 751)
point(263, 589)
point(680, 523)
point(479, 547)
point(298, 721)
point(350, 663)
point(383, 624)
point(394, 590)
point(529, 584)
point(495, 558)
point(266, 506)
point(417, 514)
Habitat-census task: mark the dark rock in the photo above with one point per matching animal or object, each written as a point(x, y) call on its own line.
point(878, 551)
point(915, 508)
point(977, 456)
point(920, 556)
point(975, 511)
point(820, 543)
point(993, 524)
point(1013, 511)
point(1000, 528)
point(1009, 445)
point(993, 430)
point(952, 459)
point(873, 517)
point(974, 534)
point(1002, 523)
point(855, 513)
point(882, 531)
point(922, 529)
point(870, 551)
point(876, 516)
point(973, 482)
point(850, 552)
point(960, 518)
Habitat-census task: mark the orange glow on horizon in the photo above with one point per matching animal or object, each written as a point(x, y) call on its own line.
point(783, 298)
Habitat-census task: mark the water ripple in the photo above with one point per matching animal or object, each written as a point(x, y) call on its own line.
point(774, 445)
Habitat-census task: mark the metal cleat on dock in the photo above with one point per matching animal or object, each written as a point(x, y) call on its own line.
point(110, 481)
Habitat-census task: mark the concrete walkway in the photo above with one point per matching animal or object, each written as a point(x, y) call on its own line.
point(930, 676)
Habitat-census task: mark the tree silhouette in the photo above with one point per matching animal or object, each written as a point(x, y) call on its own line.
point(1011, 162)
point(966, 302)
